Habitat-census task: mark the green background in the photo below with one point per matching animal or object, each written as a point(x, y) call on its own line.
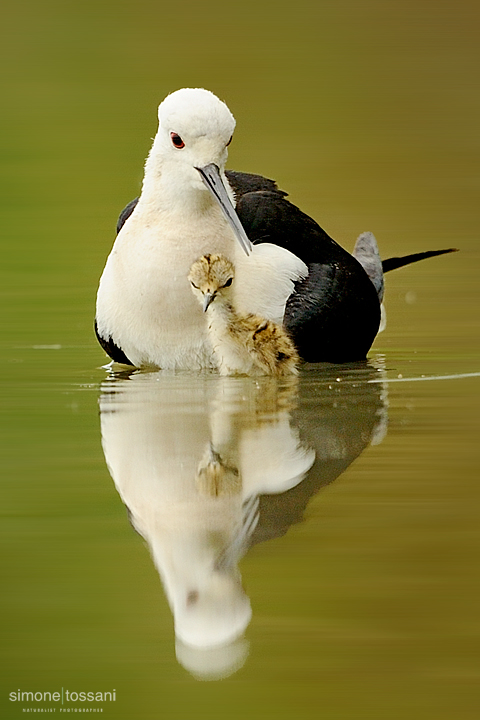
point(367, 113)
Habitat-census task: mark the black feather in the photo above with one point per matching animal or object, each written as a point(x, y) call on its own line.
point(112, 349)
point(396, 262)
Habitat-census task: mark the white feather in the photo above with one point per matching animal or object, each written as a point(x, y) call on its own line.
point(265, 280)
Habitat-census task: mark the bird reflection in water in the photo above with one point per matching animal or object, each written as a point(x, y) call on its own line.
point(207, 466)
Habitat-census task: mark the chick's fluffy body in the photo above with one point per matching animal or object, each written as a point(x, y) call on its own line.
point(242, 343)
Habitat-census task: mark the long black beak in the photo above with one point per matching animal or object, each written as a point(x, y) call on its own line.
point(210, 175)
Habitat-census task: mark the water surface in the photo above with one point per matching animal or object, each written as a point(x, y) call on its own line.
point(346, 518)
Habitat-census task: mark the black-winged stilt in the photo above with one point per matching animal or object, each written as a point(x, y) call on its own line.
point(287, 269)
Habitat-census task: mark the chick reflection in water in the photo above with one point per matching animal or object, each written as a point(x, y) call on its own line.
point(216, 477)
point(189, 456)
point(246, 344)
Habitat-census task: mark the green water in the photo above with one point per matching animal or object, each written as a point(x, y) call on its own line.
point(363, 576)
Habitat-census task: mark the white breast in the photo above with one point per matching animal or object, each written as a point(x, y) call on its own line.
point(145, 303)
point(144, 300)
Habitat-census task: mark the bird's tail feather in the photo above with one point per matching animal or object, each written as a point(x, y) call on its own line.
point(396, 262)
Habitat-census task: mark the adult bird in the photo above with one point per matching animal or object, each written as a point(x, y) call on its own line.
point(287, 268)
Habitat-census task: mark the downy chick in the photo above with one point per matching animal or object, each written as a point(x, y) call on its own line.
point(242, 343)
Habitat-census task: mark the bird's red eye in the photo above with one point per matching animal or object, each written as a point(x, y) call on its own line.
point(230, 141)
point(177, 141)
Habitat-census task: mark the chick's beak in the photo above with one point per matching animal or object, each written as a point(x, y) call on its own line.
point(207, 299)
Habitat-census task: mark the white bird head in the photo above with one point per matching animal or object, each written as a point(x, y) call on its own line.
point(195, 128)
point(190, 151)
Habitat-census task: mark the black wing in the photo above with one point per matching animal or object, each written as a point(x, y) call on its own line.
point(111, 348)
point(334, 313)
point(125, 214)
